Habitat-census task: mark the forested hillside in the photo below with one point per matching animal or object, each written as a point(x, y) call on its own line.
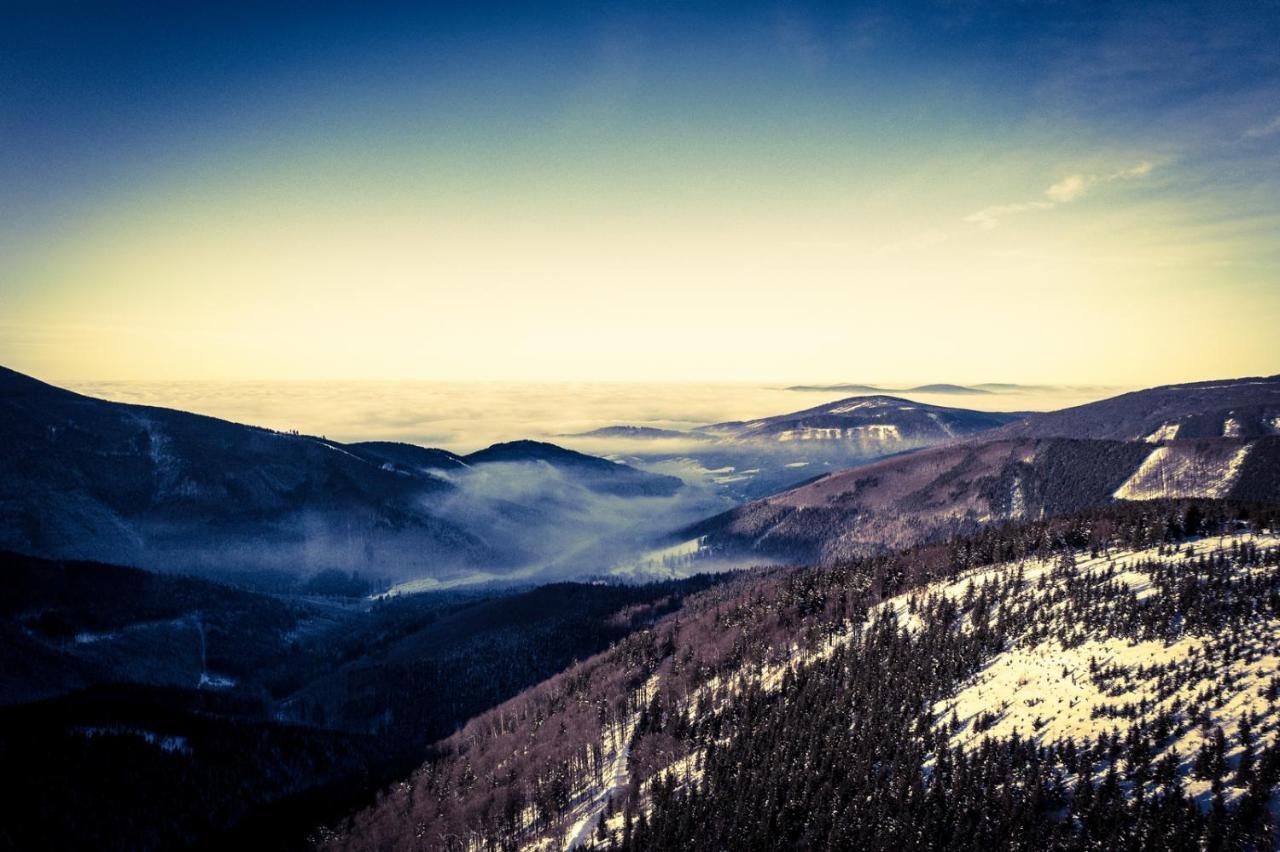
point(836, 705)
point(1123, 701)
point(152, 711)
point(1230, 408)
point(942, 492)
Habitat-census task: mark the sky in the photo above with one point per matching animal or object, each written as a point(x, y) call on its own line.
point(775, 192)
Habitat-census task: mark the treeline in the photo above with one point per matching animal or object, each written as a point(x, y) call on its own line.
point(849, 753)
point(331, 700)
point(486, 789)
point(415, 678)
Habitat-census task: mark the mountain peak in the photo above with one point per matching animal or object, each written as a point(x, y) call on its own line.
point(529, 450)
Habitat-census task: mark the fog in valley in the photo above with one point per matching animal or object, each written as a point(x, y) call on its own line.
point(466, 416)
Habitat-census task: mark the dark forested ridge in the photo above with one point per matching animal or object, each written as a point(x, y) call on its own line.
point(85, 478)
point(596, 473)
point(943, 492)
point(149, 711)
point(808, 707)
point(1243, 408)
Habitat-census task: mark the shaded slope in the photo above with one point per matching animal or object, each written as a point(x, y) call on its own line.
point(933, 494)
point(597, 474)
point(88, 478)
point(82, 477)
point(1243, 408)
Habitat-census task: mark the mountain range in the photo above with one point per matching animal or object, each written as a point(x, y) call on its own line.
point(938, 387)
point(752, 458)
point(92, 479)
point(1218, 439)
point(1056, 627)
point(867, 425)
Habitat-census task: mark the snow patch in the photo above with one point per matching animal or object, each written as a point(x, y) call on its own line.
point(165, 742)
point(852, 406)
point(1167, 432)
point(665, 561)
point(1185, 471)
point(615, 748)
point(1044, 689)
point(942, 424)
point(1017, 500)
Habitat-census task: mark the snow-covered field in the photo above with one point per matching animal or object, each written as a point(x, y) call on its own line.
point(1167, 432)
point(1184, 470)
point(871, 436)
point(1052, 691)
point(1043, 690)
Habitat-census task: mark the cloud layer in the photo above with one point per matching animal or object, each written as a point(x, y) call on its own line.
point(1070, 188)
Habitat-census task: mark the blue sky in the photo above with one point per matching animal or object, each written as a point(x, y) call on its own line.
point(221, 190)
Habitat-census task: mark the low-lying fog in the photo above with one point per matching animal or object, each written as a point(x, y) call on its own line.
point(468, 416)
point(537, 523)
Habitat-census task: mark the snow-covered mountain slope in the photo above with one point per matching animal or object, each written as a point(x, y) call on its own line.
point(871, 425)
point(1062, 678)
point(1121, 689)
point(813, 686)
point(868, 425)
point(1185, 469)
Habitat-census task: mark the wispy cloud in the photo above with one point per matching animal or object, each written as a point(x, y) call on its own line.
point(1141, 170)
point(1066, 190)
point(1271, 128)
point(988, 217)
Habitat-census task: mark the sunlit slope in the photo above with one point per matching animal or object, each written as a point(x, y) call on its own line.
point(823, 682)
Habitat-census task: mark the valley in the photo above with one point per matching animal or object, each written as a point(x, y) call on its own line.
point(607, 645)
point(640, 427)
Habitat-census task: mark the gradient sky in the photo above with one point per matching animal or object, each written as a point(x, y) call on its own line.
point(777, 192)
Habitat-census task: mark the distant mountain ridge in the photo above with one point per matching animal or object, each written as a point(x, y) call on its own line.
point(638, 433)
point(870, 423)
point(88, 478)
point(595, 473)
point(1232, 408)
point(408, 458)
point(936, 387)
point(1210, 439)
point(747, 459)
